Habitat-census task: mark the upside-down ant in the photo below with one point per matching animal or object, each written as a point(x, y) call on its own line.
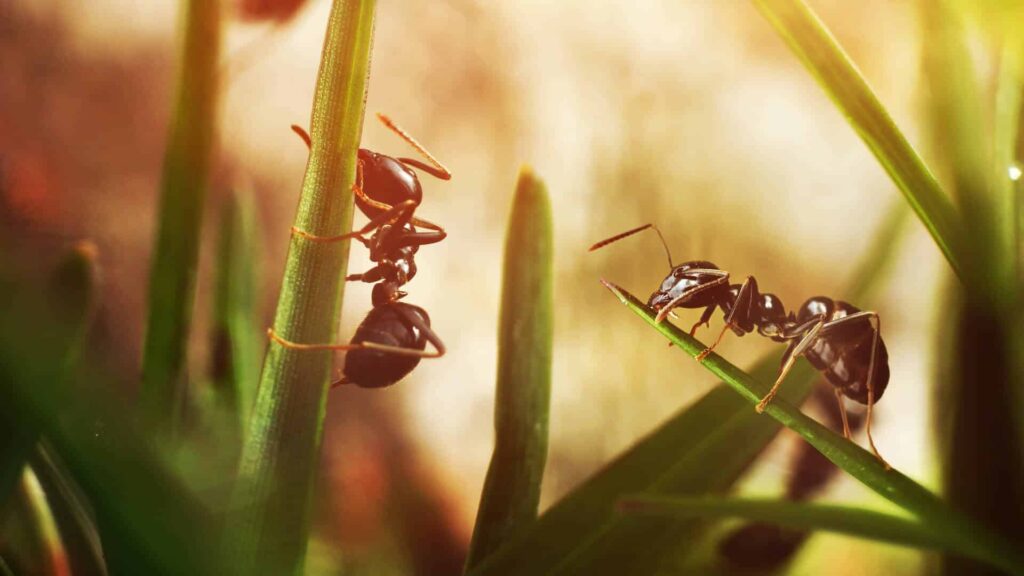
point(840, 340)
point(392, 339)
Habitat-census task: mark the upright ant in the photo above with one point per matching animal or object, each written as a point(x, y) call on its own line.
point(392, 339)
point(840, 340)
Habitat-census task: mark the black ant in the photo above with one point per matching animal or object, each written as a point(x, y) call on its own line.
point(838, 339)
point(388, 192)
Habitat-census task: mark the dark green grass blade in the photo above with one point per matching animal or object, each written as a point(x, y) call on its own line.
point(150, 524)
point(808, 37)
point(183, 190)
point(511, 492)
point(282, 448)
point(582, 531)
point(860, 464)
point(236, 339)
point(72, 292)
point(848, 520)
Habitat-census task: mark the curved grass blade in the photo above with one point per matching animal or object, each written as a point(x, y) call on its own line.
point(848, 520)
point(511, 492)
point(890, 484)
point(75, 519)
point(183, 191)
point(282, 449)
point(808, 37)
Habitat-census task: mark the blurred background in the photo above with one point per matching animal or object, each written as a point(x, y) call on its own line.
point(692, 115)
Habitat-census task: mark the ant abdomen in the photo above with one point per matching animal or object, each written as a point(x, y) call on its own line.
point(843, 353)
point(386, 325)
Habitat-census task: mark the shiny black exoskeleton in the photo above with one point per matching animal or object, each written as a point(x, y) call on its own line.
point(392, 325)
point(840, 340)
point(391, 340)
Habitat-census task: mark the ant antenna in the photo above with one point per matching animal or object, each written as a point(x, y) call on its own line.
point(628, 233)
point(442, 172)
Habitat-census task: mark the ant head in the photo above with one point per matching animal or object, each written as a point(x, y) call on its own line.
point(683, 279)
point(387, 181)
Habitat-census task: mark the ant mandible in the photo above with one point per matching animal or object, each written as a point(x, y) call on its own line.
point(840, 340)
point(388, 192)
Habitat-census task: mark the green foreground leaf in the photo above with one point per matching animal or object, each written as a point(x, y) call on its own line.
point(511, 492)
point(950, 525)
point(812, 42)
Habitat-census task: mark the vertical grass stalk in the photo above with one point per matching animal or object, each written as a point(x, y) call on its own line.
point(236, 340)
point(511, 490)
point(282, 448)
point(183, 190)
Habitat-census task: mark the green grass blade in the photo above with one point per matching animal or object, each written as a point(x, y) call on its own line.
point(511, 492)
point(848, 520)
point(808, 37)
point(73, 292)
point(149, 522)
point(236, 339)
point(879, 257)
point(282, 447)
point(890, 484)
point(1009, 92)
point(582, 532)
point(74, 517)
point(183, 190)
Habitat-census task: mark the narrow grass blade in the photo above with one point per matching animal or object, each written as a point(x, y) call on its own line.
point(35, 536)
point(1006, 172)
point(511, 490)
point(582, 533)
point(149, 522)
point(808, 37)
point(860, 464)
point(183, 191)
point(282, 448)
point(236, 339)
point(74, 517)
point(876, 260)
point(73, 294)
point(848, 520)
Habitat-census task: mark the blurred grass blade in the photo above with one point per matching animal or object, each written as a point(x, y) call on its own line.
point(959, 113)
point(183, 190)
point(74, 518)
point(236, 339)
point(808, 37)
point(582, 533)
point(1009, 93)
point(282, 448)
point(848, 520)
point(149, 523)
point(73, 294)
point(511, 490)
point(890, 484)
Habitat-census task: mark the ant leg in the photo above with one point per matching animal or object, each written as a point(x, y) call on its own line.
point(370, 276)
point(303, 134)
point(740, 313)
point(366, 345)
point(395, 214)
point(842, 412)
point(792, 354)
point(871, 387)
point(705, 319)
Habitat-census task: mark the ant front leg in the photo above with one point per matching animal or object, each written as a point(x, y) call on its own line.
point(739, 315)
point(398, 215)
point(722, 278)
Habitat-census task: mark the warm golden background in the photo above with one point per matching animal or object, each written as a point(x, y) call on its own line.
point(690, 114)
